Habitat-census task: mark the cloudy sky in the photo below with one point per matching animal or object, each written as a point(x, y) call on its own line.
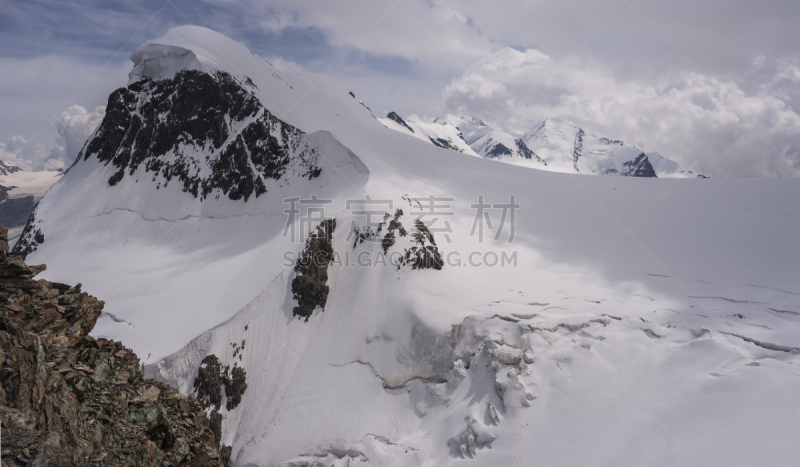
point(712, 84)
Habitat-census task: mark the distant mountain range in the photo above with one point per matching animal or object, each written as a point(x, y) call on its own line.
point(553, 144)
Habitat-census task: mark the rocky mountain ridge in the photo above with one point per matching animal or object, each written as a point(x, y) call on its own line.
point(8, 169)
point(68, 399)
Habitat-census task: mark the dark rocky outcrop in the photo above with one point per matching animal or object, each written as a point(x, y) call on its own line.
point(639, 167)
point(211, 378)
point(445, 144)
point(208, 383)
point(310, 285)
point(195, 111)
point(68, 399)
point(577, 148)
point(424, 254)
point(235, 385)
point(394, 228)
point(499, 150)
point(526, 152)
point(399, 120)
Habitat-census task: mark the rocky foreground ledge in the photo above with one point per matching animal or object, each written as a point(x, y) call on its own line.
point(68, 399)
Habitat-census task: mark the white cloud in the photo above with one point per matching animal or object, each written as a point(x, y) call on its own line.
point(279, 21)
point(431, 32)
point(56, 85)
point(682, 115)
point(74, 126)
point(287, 66)
point(35, 156)
point(9, 151)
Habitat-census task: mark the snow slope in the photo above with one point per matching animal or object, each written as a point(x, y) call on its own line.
point(644, 322)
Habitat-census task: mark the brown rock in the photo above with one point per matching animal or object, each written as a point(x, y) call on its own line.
point(67, 399)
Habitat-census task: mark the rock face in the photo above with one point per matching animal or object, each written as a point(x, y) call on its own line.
point(418, 252)
point(310, 285)
point(399, 120)
point(641, 167)
point(161, 125)
point(68, 399)
point(576, 152)
point(445, 143)
point(211, 378)
point(424, 254)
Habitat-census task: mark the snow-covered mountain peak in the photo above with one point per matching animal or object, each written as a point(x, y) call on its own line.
point(472, 128)
point(569, 148)
point(187, 48)
point(553, 129)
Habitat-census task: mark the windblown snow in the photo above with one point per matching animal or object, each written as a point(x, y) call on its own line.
point(621, 321)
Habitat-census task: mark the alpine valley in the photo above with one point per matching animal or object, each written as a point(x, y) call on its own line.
point(338, 289)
